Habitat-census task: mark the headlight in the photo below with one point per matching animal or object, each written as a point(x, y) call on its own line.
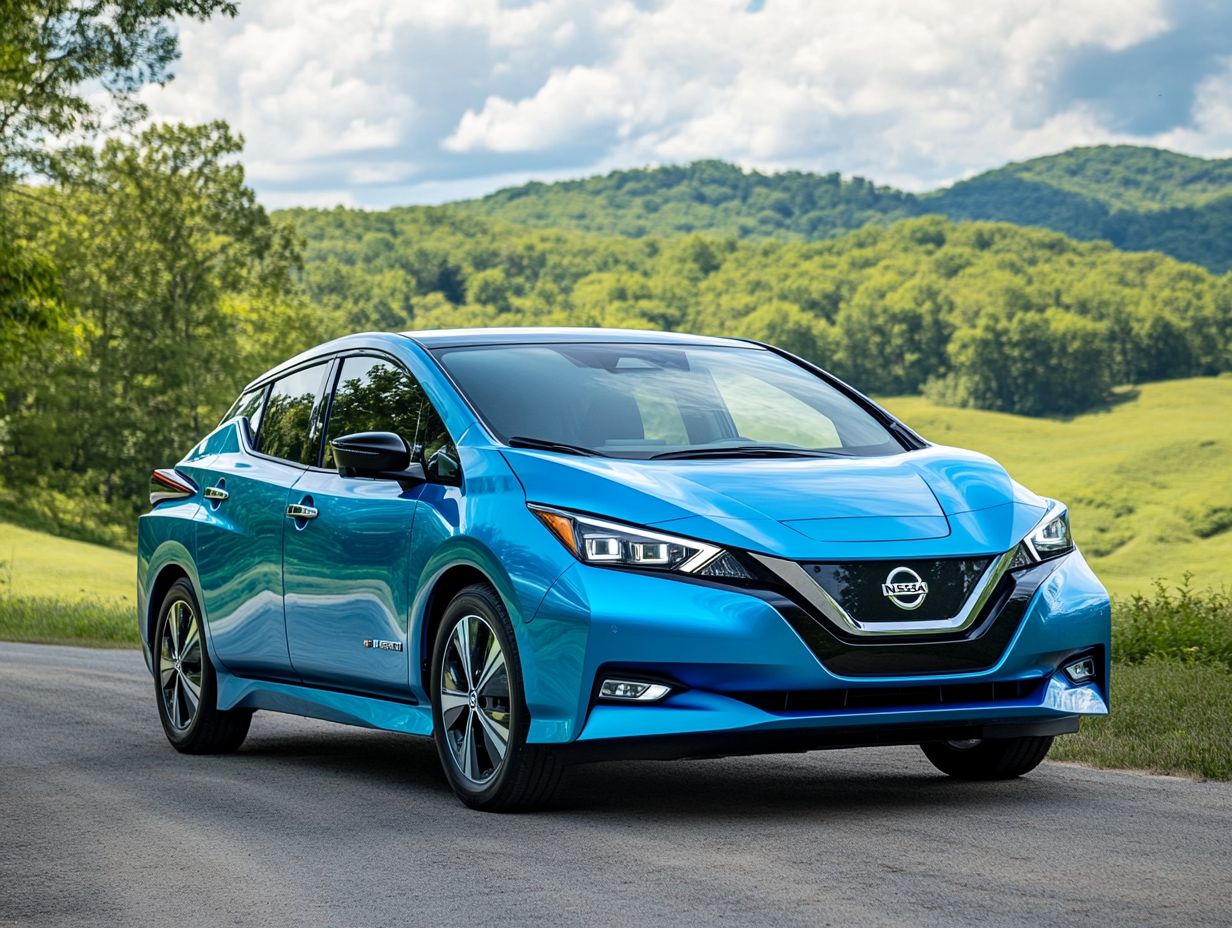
point(1051, 538)
point(611, 544)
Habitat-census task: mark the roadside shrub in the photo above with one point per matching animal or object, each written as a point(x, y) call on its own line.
point(1174, 623)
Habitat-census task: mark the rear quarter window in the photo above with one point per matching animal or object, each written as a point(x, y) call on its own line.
point(248, 407)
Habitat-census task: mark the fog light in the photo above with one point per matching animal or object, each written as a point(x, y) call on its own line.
point(1081, 670)
point(633, 689)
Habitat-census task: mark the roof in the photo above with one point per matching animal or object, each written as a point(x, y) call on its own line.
point(527, 335)
point(532, 335)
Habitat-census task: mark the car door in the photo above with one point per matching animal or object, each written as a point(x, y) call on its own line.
point(346, 570)
point(239, 537)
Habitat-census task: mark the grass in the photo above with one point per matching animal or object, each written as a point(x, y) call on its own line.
point(36, 564)
point(1148, 480)
point(89, 622)
point(1167, 717)
point(60, 591)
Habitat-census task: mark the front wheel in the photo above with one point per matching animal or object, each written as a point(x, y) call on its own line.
point(185, 684)
point(479, 713)
point(988, 758)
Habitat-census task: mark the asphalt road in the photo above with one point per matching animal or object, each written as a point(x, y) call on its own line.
point(102, 823)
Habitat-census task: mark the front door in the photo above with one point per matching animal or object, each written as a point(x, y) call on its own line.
point(346, 566)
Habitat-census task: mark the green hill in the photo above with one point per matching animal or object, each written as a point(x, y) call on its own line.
point(1140, 199)
point(1149, 481)
point(706, 196)
point(1121, 177)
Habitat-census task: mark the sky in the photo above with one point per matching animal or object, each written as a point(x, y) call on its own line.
point(375, 103)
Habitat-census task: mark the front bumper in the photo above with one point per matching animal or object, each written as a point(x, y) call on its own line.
point(731, 654)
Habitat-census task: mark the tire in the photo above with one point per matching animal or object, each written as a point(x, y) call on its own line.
point(199, 728)
point(989, 759)
point(471, 708)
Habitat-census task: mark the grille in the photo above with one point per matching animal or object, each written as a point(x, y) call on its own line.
point(890, 697)
point(858, 586)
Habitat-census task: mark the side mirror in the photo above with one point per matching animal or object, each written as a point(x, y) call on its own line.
point(383, 455)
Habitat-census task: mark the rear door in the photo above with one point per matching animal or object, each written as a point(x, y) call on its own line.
point(239, 540)
point(347, 570)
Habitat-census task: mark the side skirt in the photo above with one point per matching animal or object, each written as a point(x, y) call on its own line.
point(330, 705)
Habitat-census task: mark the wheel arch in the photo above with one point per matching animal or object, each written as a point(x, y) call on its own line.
point(456, 565)
point(444, 587)
point(169, 564)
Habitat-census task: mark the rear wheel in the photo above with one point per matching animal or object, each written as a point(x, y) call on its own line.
point(988, 758)
point(479, 713)
point(185, 684)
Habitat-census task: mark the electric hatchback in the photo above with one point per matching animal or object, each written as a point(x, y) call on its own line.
point(548, 546)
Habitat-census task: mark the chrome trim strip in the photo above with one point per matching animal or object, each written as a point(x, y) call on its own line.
point(799, 580)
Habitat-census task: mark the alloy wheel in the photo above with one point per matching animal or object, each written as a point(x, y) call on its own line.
point(180, 665)
point(475, 702)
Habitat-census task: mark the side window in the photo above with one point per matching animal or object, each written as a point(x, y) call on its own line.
point(374, 395)
point(247, 407)
point(286, 430)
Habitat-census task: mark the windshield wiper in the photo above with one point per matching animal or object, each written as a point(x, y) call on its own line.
point(749, 451)
point(543, 444)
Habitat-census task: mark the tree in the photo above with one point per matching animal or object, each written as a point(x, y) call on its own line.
point(788, 327)
point(1035, 364)
point(53, 51)
point(54, 54)
point(30, 293)
point(149, 251)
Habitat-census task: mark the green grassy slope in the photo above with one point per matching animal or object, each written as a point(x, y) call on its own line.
point(1149, 481)
point(35, 564)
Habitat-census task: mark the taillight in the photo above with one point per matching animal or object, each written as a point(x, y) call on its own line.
point(167, 483)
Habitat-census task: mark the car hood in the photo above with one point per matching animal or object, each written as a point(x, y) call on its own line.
point(935, 500)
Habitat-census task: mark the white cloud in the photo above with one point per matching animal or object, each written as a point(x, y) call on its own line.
point(570, 102)
point(1211, 133)
point(392, 100)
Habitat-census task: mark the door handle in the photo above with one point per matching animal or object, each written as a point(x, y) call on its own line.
point(215, 493)
point(300, 511)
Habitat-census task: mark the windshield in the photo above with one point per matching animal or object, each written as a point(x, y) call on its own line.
point(646, 401)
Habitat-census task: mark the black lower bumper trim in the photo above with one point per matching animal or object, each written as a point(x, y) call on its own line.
point(736, 744)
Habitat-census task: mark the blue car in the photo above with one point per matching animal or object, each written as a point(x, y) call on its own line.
point(543, 547)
